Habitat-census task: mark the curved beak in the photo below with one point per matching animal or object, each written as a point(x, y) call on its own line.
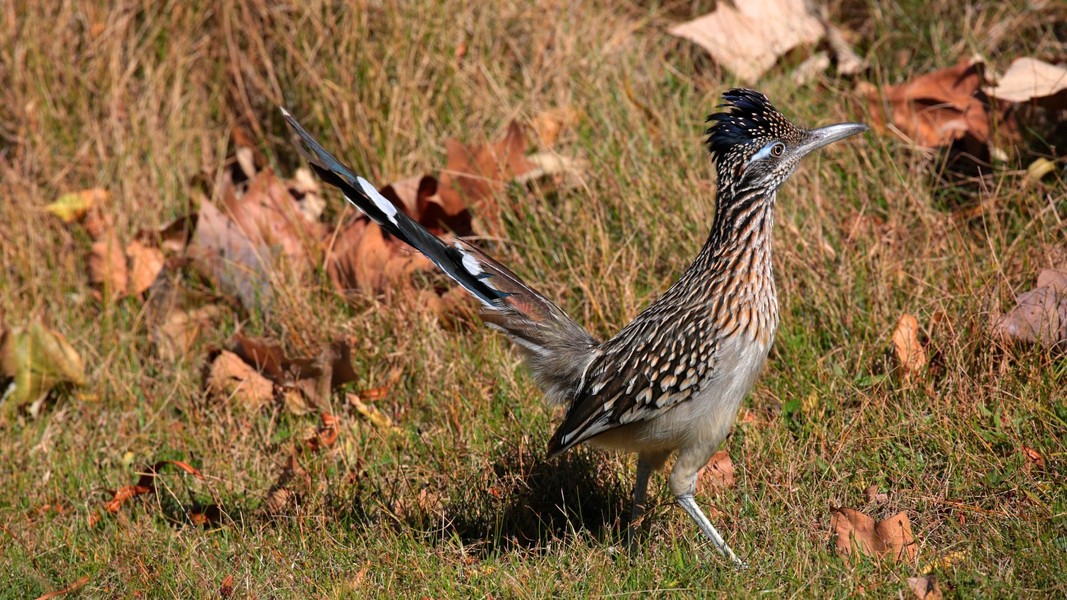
point(824, 136)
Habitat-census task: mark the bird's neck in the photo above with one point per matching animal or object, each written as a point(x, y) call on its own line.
point(738, 257)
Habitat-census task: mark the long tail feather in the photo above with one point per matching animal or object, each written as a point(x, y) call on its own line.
point(556, 348)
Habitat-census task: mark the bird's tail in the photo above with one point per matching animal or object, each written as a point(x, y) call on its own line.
point(556, 348)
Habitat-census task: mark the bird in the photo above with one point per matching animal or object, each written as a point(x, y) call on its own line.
point(670, 383)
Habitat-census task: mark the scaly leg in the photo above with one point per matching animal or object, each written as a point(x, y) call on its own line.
point(646, 465)
point(687, 502)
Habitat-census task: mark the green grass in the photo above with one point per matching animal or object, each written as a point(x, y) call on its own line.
point(458, 501)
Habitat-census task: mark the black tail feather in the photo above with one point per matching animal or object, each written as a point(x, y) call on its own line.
point(557, 348)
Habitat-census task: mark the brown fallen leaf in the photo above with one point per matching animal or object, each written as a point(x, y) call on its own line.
point(146, 483)
point(1032, 80)
point(75, 205)
point(326, 435)
point(226, 587)
point(934, 109)
point(181, 328)
point(1033, 457)
point(548, 125)
point(875, 496)
point(78, 584)
point(222, 253)
point(107, 267)
point(270, 217)
point(145, 264)
point(38, 358)
point(474, 174)
point(718, 473)
point(925, 587)
point(1040, 315)
point(268, 357)
point(231, 377)
point(747, 38)
point(857, 533)
point(910, 352)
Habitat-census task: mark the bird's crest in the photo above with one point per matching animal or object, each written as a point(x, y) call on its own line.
point(749, 122)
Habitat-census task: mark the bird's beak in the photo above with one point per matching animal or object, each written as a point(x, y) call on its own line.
point(824, 136)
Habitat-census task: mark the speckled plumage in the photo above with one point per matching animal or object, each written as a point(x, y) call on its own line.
point(672, 380)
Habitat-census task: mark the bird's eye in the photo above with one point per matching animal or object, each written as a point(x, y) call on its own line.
point(777, 149)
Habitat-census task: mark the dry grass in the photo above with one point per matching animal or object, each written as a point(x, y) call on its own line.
point(141, 99)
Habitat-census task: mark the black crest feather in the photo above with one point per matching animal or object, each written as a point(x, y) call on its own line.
point(749, 120)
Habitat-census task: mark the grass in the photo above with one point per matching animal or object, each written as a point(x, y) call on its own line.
point(458, 501)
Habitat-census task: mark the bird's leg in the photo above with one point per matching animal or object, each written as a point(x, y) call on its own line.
point(683, 482)
point(646, 465)
point(689, 504)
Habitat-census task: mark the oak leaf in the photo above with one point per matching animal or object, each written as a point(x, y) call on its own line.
point(857, 533)
point(909, 350)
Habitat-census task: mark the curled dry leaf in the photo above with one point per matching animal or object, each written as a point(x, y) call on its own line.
point(934, 109)
point(180, 329)
point(107, 267)
point(326, 435)
point(718, 473)
point(1029, 79)
point(925, 587)
point(231, 377)
point(146, 483)
point(75, 205)
point(910, 352)
point(269, 359)
point(1033, 457)
point(78, 584)
point(370, 413)
point(548, 125)
point(1040, 315)
point(475, 173)
point(146, 262)
point(747, 38)
point(226, 256)
point(38, 358)
point(875, 496)
point(857, 533)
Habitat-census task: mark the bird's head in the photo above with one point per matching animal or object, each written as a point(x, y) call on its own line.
point(754, 146)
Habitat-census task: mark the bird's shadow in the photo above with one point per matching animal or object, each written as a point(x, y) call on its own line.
point(531, 501)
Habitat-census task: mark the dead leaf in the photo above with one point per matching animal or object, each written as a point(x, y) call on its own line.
point(180, 329)
point(718, 473)
point(548, 125)
point(1040, 315)
point(145, 262)
point(370, 413)
point(225, 255)
point(925, 588)
point(38, 358)
point(107, 267)
point(747, 38)
point(858, 533)
point(1033, 456)
point(326, 435)
point(934, 109)
point(269, 216)
point(226, 587)
point(231, 377)
point(1029, 79)
point(75, 205)
point(910, 352)
point(268, 357)
point(146, 483)
point(476, 173)
point(875, 496)
point(78, 583)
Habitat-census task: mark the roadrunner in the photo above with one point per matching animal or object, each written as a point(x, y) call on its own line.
point(672, 380)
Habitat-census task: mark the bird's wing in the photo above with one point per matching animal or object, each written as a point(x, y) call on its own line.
point(650, 367)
